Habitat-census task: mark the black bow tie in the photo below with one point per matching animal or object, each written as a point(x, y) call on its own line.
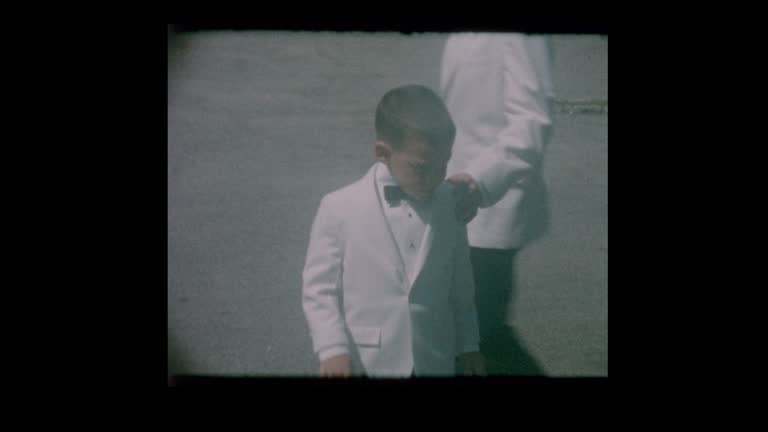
point(393, 194)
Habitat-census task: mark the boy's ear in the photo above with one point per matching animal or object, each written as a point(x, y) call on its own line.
point(382, 151)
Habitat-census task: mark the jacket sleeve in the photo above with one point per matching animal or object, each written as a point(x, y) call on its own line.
point(517, 150)
point(321, 283)
point(463, 292)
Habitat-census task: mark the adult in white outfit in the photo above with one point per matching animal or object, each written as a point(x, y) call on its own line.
point(499, 92)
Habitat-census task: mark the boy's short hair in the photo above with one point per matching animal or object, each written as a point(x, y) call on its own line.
point(413, 110)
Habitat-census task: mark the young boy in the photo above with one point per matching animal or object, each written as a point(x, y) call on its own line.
point(387, 284)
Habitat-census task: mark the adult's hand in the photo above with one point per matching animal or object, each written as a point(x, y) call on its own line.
point(468, 196)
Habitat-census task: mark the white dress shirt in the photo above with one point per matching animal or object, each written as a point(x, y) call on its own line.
point(407, 220)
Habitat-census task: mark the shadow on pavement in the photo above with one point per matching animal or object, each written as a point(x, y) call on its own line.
point(509, 356)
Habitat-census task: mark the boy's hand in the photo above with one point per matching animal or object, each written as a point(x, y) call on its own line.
point(337, 366)
point(473, 363)
point(469, 197)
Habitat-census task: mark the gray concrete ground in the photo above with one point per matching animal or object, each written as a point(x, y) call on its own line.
point(262, 124)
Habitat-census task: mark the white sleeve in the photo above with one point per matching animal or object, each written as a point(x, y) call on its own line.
point(332, 351)
point(321, 287)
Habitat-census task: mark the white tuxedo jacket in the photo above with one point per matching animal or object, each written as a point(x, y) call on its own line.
point(498, 90)
point(356, 292)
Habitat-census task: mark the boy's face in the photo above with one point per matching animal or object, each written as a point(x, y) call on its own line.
point(417, 167)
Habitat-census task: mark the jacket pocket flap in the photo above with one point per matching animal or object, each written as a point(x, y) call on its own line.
point(366, 336)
